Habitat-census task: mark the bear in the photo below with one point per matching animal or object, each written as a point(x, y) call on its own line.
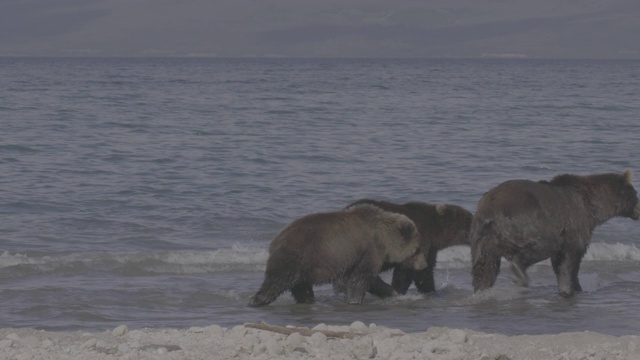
point(527, 222)
point(439, 226)
point(351, 243)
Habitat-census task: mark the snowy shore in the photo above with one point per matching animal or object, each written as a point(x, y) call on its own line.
point(357, 341)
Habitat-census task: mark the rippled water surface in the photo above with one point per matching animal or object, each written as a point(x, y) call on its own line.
point(146, 191)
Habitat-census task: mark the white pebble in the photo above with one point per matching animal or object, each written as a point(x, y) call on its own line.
point(318, 339)
point(124, 348)
point(259, 349)
point(136, 334)
point(427, 348)
point(407, 341)
point(5, 344)
point(386, 346)
point(24, 356)
point(358, 326)
point(196, 330)
point(438, 347)
point(13, 336)
point(364, 348)
point(294, 341)
point(458, 336)
point(274, 348)
point(30, 342)
point(251, 340)
point(239, 330)
point(120, 330)
point(216, 330)
point(91, 343)
point(47, 343)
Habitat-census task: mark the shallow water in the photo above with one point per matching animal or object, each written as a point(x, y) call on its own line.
point(146, 191)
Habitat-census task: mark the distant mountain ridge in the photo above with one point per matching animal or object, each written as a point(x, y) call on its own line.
point(332, 28)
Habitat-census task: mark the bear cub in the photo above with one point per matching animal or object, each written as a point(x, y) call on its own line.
point(439, 225)
point(352, 244)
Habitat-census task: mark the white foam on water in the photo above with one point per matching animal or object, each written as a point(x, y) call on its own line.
point(7, 259)
point(460, 256)
point(612, 252)
point(182, 262)
point(454, 257)
point(246, 258)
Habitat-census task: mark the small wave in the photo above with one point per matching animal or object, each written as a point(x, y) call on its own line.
point(236, 258)
point(498, 293)
point(454, 257)
point(612, 252)
point(7, 260)
point(136, 264)
point(17, 149)
point(403, 299)
point(460, 256)
point(537, 168)
point(7, 160)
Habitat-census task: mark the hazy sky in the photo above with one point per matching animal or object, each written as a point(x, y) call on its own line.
point(322, 28)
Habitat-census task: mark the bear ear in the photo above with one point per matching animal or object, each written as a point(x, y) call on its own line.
point(407, 230)
point(628, 176)
point(441, 208)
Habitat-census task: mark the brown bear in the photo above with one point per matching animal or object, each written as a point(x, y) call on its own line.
point(352, 243)
point(527, 222)
point(439, 226)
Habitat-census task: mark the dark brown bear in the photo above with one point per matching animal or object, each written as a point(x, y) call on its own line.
point(352, 244)
point(527, 222)
point(440, 226)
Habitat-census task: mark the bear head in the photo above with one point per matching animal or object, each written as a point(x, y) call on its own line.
point(629, 205)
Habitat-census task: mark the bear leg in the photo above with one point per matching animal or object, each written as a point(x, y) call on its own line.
point(303, 293)
point(402, 279)
point(269, 291)
point(280, 275)
point(566, 267)
point(361, 276)
point(519, 274)
point(380, 288)
point(356, 290)
point(424, 280)
point(340, 285)
point(485, 271)
point(267, 294)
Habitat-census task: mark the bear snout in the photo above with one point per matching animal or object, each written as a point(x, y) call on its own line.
point(636, 212)
point(416, 261)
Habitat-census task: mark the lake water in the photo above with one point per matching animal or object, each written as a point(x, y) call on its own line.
point(146, 191)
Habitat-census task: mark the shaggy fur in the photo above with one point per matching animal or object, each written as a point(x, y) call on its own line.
point(440, 226)
point(527, 222)
point(351, 244)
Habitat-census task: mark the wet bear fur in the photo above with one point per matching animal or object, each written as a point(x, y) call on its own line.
point(352, 244)
point(439, 226)
point(527, 222)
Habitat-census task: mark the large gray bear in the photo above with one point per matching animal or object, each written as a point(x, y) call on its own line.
point(352, 244)
point(439, 225)
point(527, 222)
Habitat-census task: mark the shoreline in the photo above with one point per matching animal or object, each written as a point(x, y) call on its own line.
point(357, 341)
